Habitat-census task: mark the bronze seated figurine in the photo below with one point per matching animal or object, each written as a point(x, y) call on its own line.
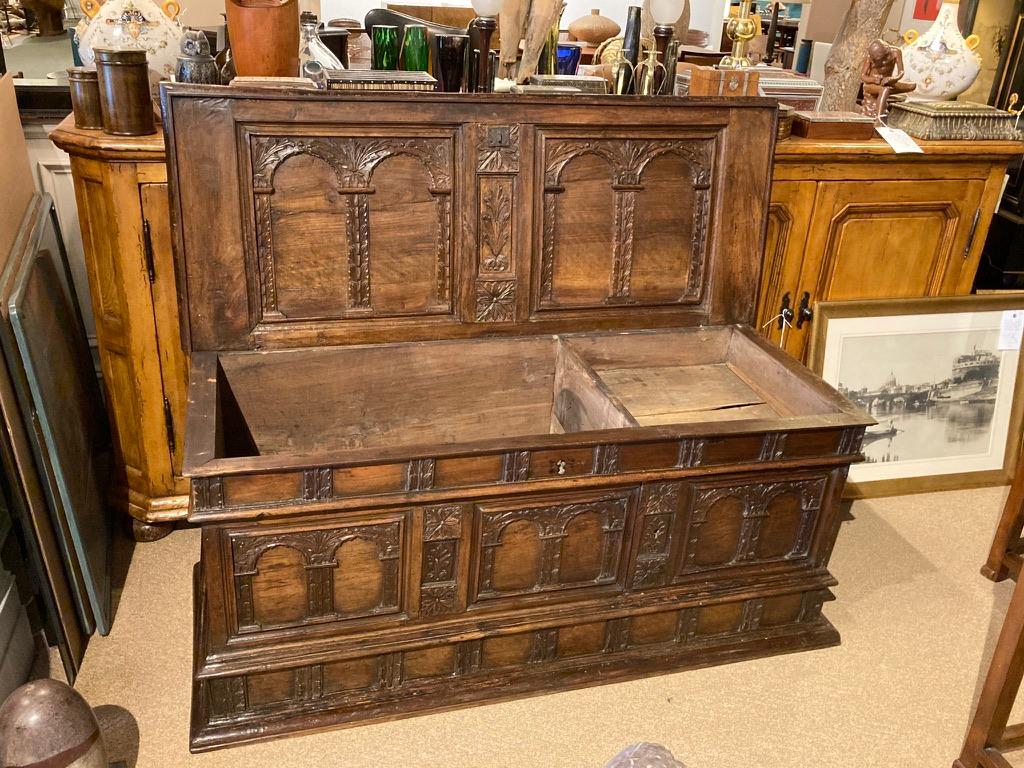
point(881, 74)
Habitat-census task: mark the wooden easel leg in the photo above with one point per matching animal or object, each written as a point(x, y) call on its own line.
point(1008, 531)
point(1000, 690)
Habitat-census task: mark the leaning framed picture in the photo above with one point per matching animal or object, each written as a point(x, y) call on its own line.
point(942, 376)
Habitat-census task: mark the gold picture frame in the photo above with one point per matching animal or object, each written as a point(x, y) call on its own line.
point(919, 411)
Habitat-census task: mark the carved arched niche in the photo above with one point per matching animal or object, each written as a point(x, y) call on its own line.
point(625, 221)
point(378, 214)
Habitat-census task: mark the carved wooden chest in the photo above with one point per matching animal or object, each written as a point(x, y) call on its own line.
point(474, 412)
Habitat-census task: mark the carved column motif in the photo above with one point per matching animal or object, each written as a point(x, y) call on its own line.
point(497, 170)
point(622, 255)
point(659, 504)
point(442, 530)
point(357, 222)
point(208, 493)
point(309, 683)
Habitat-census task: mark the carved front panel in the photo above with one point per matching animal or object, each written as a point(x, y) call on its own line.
point(744, 523)
point(295, 577)
point(625, 221)
point(534, 547)
point(352, 226)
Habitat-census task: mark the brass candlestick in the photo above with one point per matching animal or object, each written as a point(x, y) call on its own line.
point(741, 30)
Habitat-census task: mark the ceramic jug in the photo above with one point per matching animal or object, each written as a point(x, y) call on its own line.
point(941, 61)
point(132, 24)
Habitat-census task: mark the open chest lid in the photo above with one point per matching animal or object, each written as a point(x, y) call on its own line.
point(314, 219)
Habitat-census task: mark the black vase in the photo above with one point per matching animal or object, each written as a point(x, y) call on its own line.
point(448, 63)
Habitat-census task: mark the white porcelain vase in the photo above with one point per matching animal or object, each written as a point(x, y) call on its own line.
point(135, 24)
point(941, 61)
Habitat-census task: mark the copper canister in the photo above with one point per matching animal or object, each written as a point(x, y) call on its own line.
point(85, 98)
point(125, 100)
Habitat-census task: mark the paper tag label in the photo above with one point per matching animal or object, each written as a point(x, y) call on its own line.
point(900, 141)
point(1011, 327)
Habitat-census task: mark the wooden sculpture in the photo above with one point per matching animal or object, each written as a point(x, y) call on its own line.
point(529, 21)
point(881, 74)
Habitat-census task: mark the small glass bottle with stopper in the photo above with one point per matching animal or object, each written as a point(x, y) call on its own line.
point(311, 47)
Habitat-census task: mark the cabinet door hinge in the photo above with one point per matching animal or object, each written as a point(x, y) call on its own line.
point(147, 245)
point(169, 421)
point(974, 230)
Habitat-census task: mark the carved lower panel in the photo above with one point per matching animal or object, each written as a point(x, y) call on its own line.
point(317, 550)
point(365, 686)
point(550, 526)
point(754, 502)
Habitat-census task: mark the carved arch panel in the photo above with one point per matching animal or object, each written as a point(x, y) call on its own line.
point(643, 223)
point(734, 524)
point(377, 187)
point(334, 573)
point(533, 548)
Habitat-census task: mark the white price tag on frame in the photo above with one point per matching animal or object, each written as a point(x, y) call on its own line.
point(900, 141)
point(1011, 325)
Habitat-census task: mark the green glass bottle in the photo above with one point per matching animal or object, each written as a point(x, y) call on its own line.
point(415, 49)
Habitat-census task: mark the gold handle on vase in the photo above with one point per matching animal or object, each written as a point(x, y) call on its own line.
point(972, 41)
point(171, 9)
point(89, 7)
point(910, 36)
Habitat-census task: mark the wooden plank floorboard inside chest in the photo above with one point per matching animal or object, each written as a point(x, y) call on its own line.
point(673, 394)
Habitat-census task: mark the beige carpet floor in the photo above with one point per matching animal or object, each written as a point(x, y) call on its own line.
point(918, 624)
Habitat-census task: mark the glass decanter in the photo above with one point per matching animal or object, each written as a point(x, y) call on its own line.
point(311, 47)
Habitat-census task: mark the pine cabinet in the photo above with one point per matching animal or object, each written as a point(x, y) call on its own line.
point(856, 221)
point(121, 191)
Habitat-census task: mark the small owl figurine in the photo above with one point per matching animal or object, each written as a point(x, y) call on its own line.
point(195, 64)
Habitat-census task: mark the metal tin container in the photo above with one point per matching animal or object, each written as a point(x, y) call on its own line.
point(125, 99)
point(85, 98)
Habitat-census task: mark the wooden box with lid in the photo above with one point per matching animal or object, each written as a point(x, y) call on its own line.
point(474, 409)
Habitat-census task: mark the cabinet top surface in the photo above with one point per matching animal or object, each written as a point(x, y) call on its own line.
point(95, 143)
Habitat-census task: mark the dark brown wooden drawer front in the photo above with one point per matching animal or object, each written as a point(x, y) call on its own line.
point(290, 576)
point(549, 545)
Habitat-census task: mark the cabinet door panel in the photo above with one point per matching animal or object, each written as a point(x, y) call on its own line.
point(789, 217)
point(886, 239)
point(173, 361)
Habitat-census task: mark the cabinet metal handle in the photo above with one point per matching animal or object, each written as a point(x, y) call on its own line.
point(974, 229)
point(785, 311)
point(805, 314)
